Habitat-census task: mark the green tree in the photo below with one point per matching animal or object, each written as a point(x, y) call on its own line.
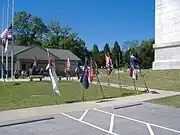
point(129, 44)
point(60, 37)
point(116, 53)
point(64, 38)
point(96, 55)
point(103, 52)
point(106, 48)
point(54, 28)
point(146, 53)
point(95, 49)
point(28, 29)
point(130, 47)
point(80, 49)
point(102, 58)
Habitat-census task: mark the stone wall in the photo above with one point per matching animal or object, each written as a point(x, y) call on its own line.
point(167, 34)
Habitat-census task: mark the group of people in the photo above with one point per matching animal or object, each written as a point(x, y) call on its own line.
point(78, 70)
point(35, 70)
point(30, 71)
point(134, 68)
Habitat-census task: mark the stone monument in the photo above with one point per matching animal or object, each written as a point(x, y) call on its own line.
point(167, 34)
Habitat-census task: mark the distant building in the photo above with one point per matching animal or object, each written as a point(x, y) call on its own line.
point(24, 57)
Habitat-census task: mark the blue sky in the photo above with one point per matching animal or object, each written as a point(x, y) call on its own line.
point(96, 21)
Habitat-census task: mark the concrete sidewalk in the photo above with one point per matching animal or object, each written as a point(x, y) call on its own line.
point(35, 79)
point(56, 109)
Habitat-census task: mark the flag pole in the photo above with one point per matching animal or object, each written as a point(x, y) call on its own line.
point(2, 51)
point(12, 45)
point(49, 67)
point(118, 76)
point(119, 71)
point(107, 71)
point(144, 82)
point(99, 83)
point(135, 85)
point(7, 50)
point(108, 79)
point(83, 94)
point(85, 66)
point(133, 76)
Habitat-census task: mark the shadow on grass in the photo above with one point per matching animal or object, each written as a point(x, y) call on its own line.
point(155, 92)
point(108, 98)
point(46, 81)
point(73, 101)
point(127, 94)
point(14, 84)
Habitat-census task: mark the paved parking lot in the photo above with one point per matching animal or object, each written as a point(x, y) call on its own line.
point(145, 119)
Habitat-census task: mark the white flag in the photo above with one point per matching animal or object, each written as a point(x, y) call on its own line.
point(134, 74)
point(6, 47)
point(54, 80)
point(53, 76)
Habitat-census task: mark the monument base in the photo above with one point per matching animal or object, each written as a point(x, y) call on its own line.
point(162, 65)
point(167, 56)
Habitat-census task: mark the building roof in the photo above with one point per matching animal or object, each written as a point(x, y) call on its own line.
point(16, 50)
point(63, 54)
point(60, 53)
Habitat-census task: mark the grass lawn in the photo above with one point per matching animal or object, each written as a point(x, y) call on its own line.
point(173, 101)
point(159, 79)
point(29, 94)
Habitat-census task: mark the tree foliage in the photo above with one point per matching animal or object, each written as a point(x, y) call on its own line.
point(96, 55)
point(28, 30)
point(31, 30)
point(117, 53)
point(146, 53)
point(106, 48)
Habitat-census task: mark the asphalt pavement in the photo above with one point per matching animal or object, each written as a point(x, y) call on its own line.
point(144, 119)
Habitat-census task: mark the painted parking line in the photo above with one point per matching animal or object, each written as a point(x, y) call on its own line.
point(89, 124)
point(139, 121)
point(83, 115)
point(25, 121)
point(111, 124)
point(150, 129)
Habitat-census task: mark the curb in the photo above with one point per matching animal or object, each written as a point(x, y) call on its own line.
point(128, 105)
point(24, 121)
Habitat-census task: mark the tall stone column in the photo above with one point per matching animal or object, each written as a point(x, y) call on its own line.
point(167, 34)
